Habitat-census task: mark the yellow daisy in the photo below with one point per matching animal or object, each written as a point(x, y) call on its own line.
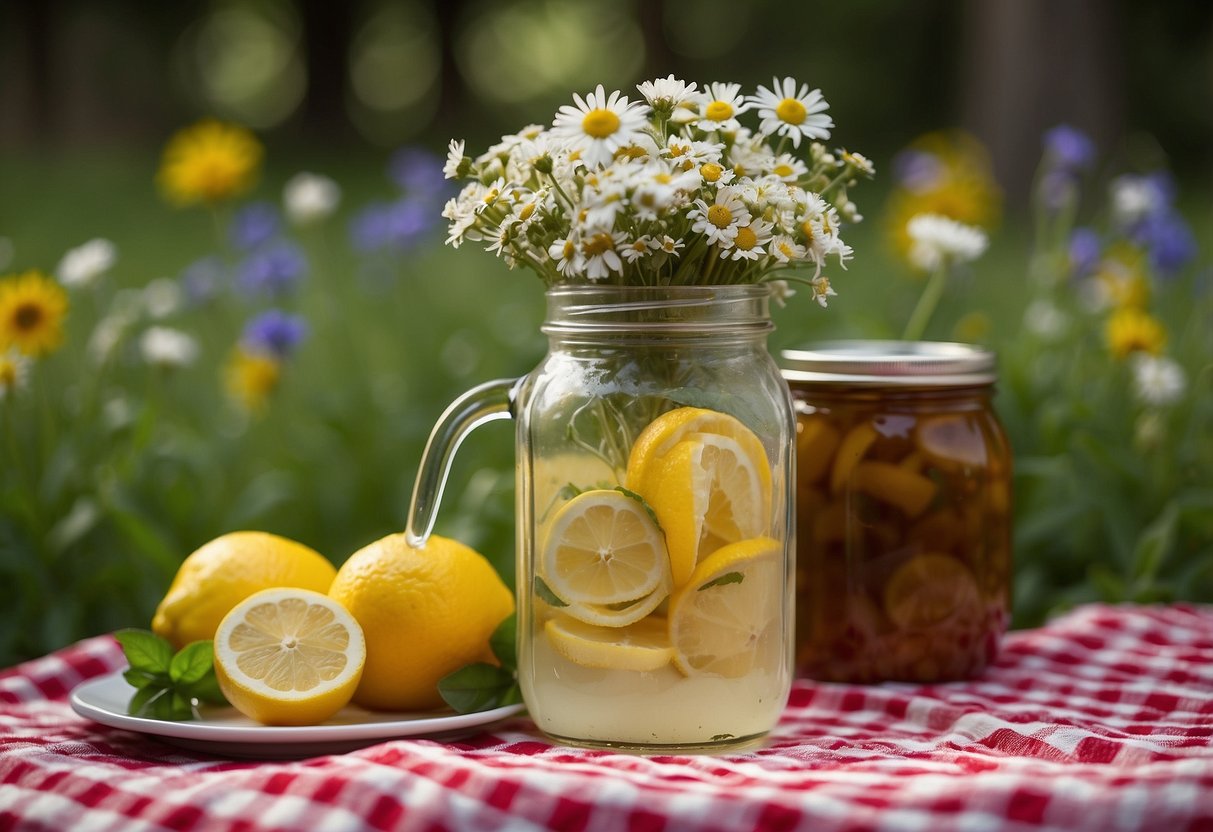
point(209, 162)
point(1131, 330)
point(252, 377)
point(32, 309)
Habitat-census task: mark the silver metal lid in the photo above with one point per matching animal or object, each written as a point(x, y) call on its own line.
point(890, 363)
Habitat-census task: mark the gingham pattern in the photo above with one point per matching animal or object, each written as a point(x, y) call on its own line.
point(1102, 720)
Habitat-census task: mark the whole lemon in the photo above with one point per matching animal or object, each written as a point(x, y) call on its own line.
point(424, 612)
point(224, 572)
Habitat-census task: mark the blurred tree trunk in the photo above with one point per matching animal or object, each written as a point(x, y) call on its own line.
point(1029, 65)
point(328, 29)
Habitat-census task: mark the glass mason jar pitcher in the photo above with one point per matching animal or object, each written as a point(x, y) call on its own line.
point(654, 516)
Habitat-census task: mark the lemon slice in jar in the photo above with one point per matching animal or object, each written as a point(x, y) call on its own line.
point(642, 646)
point(289, 656)
point(727, 619)
point(661, 435)
point(928, 589)
point(603, 550)
point(708, 491)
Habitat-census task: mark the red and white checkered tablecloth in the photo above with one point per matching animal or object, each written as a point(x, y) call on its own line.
point(1102, 720)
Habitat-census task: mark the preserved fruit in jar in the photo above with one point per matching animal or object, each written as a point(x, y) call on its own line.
point(903, 501)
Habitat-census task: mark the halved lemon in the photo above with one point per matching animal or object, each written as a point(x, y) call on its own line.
point(602, 549)
point(642, 646)
point(661, 435)
point(727, 620)
point(708, 491)
point(289, 656)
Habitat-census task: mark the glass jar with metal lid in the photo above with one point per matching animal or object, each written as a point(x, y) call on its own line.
point(903, 490)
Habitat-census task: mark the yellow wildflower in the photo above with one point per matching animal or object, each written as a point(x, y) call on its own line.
point(209, 162)
point(14, 369)
point(252, 377)
point(32, 309)
point(1122, 276)
point(1131, 330)
point(953, 179)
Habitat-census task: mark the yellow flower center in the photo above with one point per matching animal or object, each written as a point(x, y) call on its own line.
point(787, 251)
point(600, 123)
point(791, 111)
point(639, 246)
point(711, 171)
point(491, 196)
point(783, 170)
point(746, 239)
point(719, 111)
point(663, 178)
point(678, 150)
point(568, 250)
point(720, 216)
point(527, 210)
point(600, 243)
point(807, 228)
point(27, 316)
point(8, 373)
point(631, 152)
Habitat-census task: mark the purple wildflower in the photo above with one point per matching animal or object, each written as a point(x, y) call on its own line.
point(395, 226)
point(272, 270)
point(1168, 239)
point(1057, 189)
point(253, 225)
point(1069, 149)
point(203, 279)
point(418, 173)
point(917, 171)
point(275, 333)
point(1085, 251)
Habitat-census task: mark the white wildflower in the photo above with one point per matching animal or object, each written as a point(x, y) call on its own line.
point(455, 155)
point(639, 248)
point(781, 290)
point(719, 106)
point(162, 346)
point(718, 222)
point(822, 291)
point(14, 372)
point(937, 240)
point(566, 251)
point(750, 242)
point(601, 255)
point(1044, 320)
point(1158, 380)
point(84, 265)
point(667, 93)
point(310, 197)
point(161, 298)
point(786, 250)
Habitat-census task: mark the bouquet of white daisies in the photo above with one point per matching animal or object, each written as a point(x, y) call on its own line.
point(669, 190)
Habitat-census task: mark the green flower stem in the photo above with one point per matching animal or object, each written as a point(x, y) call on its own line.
point(927, 302)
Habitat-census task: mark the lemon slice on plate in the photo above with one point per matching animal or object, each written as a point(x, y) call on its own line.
point(642, 646)
point(289, 656)
point(727, 620)
point(708, 491)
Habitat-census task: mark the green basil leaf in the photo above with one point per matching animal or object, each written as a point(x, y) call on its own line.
point(144, 698)
point(545, 592)
point(513, 696)
point(145, 650)
point(726, 578)
point(648, 509)
point(476, 687)
point(172, 706)
point(140, 679)
point(192, 662)
point(206, 690)
point(504, 642)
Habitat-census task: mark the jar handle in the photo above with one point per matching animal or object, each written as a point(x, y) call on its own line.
point(484, 403)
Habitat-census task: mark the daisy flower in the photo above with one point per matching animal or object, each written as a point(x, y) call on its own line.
point(598, 125)
point(786, 250)
point(601, 256)
point(566, 251)
point(822, 291)
point(938, 239)
point(665, 94)
point(85, 264)
point(792, 112)
point(14, 372)
point(716, 174)
point(455, 158)
point(749, 244)
point(209, 162)
point(720, 105)
point(640, 247)
point(719, 221)
point(788, 168)
point(251, 377)
point(687, 152)
point(32, 309)
point(1132, 330)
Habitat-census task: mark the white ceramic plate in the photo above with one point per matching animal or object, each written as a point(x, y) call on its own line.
point(228, 733)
